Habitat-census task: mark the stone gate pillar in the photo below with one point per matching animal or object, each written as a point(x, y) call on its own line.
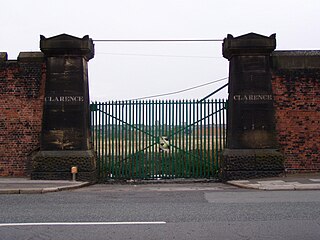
point(65, 137)
point(251, 137)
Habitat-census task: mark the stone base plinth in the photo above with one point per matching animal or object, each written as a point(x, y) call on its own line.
point(251, 163)
point(56, 165)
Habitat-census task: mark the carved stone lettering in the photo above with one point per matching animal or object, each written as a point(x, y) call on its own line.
point(64, 99)
point(253, 97)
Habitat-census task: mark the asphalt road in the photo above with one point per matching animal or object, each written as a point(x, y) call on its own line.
point(193, 211)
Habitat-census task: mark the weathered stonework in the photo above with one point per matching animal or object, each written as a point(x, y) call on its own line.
point(65, 136)
point(251, 142)
point(251, 163)
point(57, 165)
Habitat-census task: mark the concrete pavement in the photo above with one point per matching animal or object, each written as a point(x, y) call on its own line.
point(289, 182)
point(310, 181)
point(9, 185)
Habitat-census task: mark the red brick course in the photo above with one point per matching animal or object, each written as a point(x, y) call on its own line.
point(21, 107)
point(297, 112)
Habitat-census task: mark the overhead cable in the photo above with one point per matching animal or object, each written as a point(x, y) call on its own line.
point(180, 91)
point(155, 55)
point(157, 40)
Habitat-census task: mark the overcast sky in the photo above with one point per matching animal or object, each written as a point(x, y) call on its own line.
point(121, 71)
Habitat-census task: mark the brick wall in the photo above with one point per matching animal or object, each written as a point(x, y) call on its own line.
point(296, 89)
point(21, 105)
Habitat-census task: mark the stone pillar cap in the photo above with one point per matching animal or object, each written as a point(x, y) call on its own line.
point(248, 44)
point(65, 44)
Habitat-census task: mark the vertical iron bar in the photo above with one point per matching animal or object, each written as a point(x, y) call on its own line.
point(132, 139)
point(114, 140)
point(130, 160)
point(185, 137)
point(224, 122)
point(209, 139)
point(153, 140)
point(171, 140)
point(122, 125)
point(92, 107)
point(97, 135)
point(157, 137)
point(108, 160)
point(212, 166)
point(194, 153)
point(187, 130)
point(113, 164)
point(149, 156)
point(209, 127)
point(162, 134)
point(205, 126)
point(126, 140)
point(216, 136)
point(201, 144)
point(94, 132)
point(112, 174)
point(117, 157)
point(117, 141)
point(102, 171)
point(174, 140)
point(138, 125)
point(136, 169)
point(176, 157)
point(198, 160)
point(143, 140)
point(99, 139)
point(180, 143)
point(220, 131)
point(167, 135)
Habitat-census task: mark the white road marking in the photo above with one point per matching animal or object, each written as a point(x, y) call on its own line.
point(77, 223)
